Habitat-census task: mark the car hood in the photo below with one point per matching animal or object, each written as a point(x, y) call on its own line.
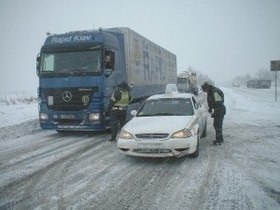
point(159, 124)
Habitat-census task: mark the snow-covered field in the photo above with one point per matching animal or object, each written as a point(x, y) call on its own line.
point(253, 106)
point(47, 170)
point(16, 108)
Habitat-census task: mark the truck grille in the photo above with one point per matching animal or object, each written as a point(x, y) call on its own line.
point(70, 99)
point(152, 135)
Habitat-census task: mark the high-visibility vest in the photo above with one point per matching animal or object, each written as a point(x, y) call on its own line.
point(124, 101)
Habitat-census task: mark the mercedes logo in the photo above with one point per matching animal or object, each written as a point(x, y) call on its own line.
point(66, 96)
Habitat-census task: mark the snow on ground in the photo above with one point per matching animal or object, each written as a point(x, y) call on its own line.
point(16, 114)
point(85, 171)
point(252, 128)
point(252, 105)
point(16, 108)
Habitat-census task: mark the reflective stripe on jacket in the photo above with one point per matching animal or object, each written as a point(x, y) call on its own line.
point(217, 97)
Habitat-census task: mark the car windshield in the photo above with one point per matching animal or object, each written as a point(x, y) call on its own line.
point(182, 80)
point(71, 62)
point(167, 107)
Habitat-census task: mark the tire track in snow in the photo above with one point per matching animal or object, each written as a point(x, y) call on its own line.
point(14, 184)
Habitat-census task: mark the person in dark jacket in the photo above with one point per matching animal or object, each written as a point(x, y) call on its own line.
point(217, 109)
point(117, 107)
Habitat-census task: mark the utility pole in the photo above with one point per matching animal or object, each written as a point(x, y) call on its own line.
point(275, 66)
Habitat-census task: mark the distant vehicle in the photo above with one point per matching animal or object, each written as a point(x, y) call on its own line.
point(236, 84)
point(78, 72)
point(187, 82)
point(254, 83)
point(166, 125)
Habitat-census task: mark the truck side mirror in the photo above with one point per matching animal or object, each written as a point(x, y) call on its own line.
point(38, 64)
point(109, 62)
point(109, 59)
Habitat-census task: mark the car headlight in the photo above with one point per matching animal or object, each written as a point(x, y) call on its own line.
point(183, 133)
point(94, 116)
point(125, 135)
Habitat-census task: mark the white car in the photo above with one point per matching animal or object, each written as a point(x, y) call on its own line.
point(166, 125)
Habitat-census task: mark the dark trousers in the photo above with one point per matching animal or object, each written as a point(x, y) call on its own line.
point(218, 123)
point(118, 119)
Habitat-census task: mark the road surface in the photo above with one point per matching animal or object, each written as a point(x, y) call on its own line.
point(47, 170)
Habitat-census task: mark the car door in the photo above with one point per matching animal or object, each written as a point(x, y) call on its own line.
point(200, 114)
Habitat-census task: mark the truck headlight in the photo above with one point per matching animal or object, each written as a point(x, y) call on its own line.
point(94, 116)
point(125, 135)
point(44, 116)
point(183, 133)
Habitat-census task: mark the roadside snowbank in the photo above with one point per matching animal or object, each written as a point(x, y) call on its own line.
point(252, 106)
point(16, 108)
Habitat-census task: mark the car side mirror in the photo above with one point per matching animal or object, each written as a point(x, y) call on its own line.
point(108, 72)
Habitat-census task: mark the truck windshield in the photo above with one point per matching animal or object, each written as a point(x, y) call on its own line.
point(69, 63)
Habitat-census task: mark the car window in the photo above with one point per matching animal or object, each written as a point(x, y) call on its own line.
point(167, 107)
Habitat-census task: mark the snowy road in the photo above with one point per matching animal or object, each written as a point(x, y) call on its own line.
point(47, 170)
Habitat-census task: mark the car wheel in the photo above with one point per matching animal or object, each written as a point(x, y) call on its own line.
point(205, 129)
point(196, 153)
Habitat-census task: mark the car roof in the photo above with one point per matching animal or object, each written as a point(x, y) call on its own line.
point(171, 95)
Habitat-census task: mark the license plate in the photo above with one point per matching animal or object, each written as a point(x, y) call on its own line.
point(67, 116)
point(149, 144)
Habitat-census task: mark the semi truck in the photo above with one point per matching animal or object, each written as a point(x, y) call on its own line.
point(79, 70)
point(187, 82)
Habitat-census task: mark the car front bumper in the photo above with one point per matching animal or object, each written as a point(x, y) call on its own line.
point(158, 148)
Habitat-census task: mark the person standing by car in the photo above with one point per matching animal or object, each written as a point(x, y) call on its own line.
point(117, 107)
point(217, 109)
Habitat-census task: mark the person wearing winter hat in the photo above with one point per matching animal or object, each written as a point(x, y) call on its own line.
point(217, 109)
point(117, 107)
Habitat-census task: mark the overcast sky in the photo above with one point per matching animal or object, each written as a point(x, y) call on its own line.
point(220, 38)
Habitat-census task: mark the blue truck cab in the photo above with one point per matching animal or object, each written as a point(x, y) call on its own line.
point(78, 72)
